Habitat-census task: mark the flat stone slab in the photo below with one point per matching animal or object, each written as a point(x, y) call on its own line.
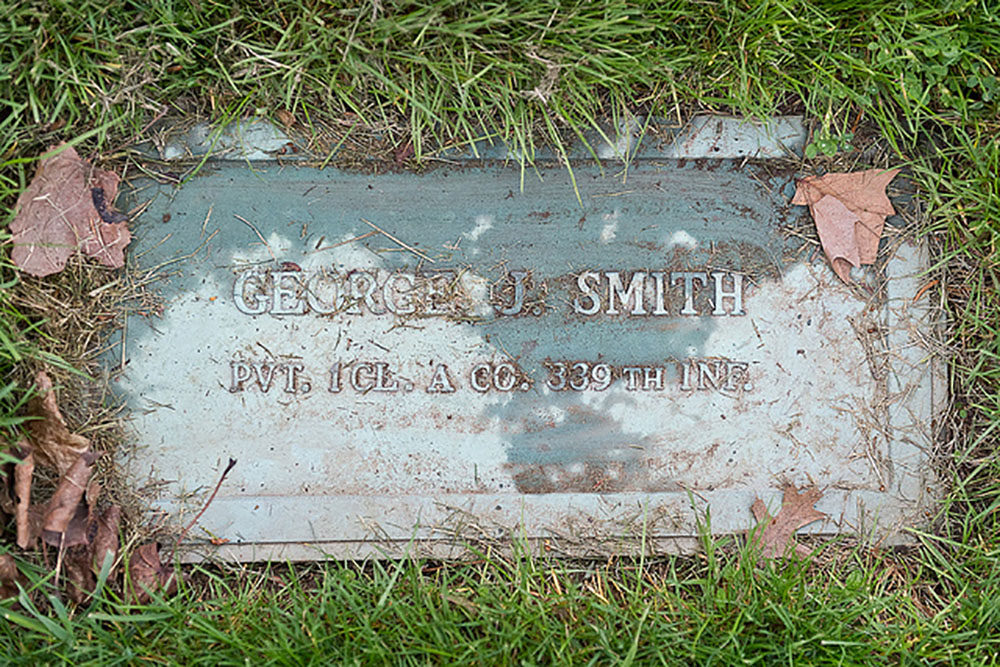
point(400, 360)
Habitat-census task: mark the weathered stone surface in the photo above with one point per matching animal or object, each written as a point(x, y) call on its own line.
point(400, 357)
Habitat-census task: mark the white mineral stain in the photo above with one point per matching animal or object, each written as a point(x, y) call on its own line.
point(274, 248)
point(610, 229)
point(477, 288)
point(483, 223)
point(682, 239)
point(332, 442)
point(801, 409)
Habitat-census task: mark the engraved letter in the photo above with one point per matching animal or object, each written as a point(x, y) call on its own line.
point(582, 282)
point(689, 277)
point(291, 379)
point(365, 293)
point(739, 376)
point(686, 369)
point(383, 378)
point(265, 374)
point(504, 376)
point(709, 372)
point(404, 306)
point(515, 308)
point(261, 302)
point(631, 375)
point(736, 294)
point(362, 384)
point(479, 378)
point(316, 304)
point(659, 303)
point(240, 371)
point(287, 293)
point(441, 382)
point(636, 290)
point(652, 378)
point(335, 378)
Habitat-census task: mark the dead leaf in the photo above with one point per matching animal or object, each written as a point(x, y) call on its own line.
point(10, 577)
point(8, 503)
point(403, 152)
point(83, 561)
point(52, 442)
point(849, 210)
point(78, 531)
point(66, 517)
point(106, 243)
point(78, 573)
point(92, 495)
point(8, 477)
point(25, 520)
point(106, 539)
point(796, 511)
point(147, 573)
point(56, 216)
point(285, 117)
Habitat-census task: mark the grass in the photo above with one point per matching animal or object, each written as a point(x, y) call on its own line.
point(918, 79)
point(520, 610)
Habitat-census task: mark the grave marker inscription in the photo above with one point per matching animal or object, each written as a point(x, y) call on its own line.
point(396, 359)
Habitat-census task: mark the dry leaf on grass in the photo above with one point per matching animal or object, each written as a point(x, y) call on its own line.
point(7, 494)
point(58, 213)
point(796, 511)
point(106, 539)
point(71, 520)
point(77, 571)
point(10, 577)
point(146, 570)
point(147, 573)
point(285, 117)
point(24, 518)
point(52, 442)
point(84, 562)
point(849, 210)
point(66, 515)
point(92, 495)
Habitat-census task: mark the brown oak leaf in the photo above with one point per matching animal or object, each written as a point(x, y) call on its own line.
point(849, 210)
point(52, 442)
point(56, 216)
point(147, 573)
point(796, 511)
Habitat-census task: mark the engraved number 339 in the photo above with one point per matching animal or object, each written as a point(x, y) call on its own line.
point(578, 376)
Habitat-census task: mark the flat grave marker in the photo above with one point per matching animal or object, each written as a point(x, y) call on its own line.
point(398, 360)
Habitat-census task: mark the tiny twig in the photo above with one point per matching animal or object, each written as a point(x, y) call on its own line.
point(356, 238)
point(59, 559)
point(207, 216)
point(923, 290)
point(250, 225)
point(187, 528)
point(393, 238)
